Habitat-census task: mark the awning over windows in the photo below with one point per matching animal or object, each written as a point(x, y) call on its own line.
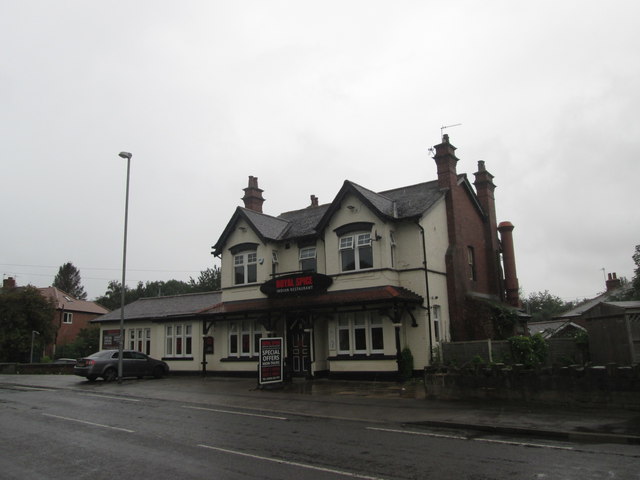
point(342, 298)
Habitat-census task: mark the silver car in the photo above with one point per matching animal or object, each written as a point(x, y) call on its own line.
point(105, 364)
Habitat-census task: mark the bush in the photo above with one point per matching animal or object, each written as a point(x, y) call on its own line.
point(530, 351)
point(406, 364)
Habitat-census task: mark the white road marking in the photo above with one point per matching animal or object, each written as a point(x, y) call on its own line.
point(88, 423)
point(114, 398)
point(486, 440)
point(39, 389)
point(235, 413)
point(523, 444)
point(424, 434)
point(293, 464)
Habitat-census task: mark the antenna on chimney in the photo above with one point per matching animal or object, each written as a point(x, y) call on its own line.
point(448, 126)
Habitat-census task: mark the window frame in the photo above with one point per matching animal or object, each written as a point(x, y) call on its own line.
point(471, 261)
point(178, 340)
point(355, 245)
point(67, 318)
point(354, 327)
point(308, 255)
point(245, 262)
point(236, 332)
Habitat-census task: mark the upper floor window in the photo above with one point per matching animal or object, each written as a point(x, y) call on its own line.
point(356, 252)
point(67, 317)
point(471, 259)
point(308, 259)
point(245, 267)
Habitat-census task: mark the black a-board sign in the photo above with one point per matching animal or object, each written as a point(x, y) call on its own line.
point(271, 360)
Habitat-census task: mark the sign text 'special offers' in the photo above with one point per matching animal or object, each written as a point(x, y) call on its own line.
point(271, 360)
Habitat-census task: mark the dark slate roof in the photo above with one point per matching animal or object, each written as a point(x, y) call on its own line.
point(400, 203)
point(268, 227)
point(414, 200)
point(303, 222)
point(383, 204)
point(164, 308)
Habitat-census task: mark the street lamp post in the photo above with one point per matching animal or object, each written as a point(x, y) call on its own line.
point(33, 337)
point(126, 155)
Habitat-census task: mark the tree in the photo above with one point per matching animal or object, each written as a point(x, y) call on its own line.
point(544, 306)
point(68, 280)
point(86, 343)
point(635, 283)
point(23, 311)
point(208, 280)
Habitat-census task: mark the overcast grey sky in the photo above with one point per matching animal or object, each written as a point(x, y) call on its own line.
point(304, 95)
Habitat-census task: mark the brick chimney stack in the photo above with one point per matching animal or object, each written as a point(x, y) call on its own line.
point(509, 261)
point(9, 283)
point(613, 282)
point(484, 191)
point(314, 201)
point(446, 161)
point(253, 196)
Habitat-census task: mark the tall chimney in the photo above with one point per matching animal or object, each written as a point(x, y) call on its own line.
point(446, 161)
point(613, 282)
point(253, 196)
point(509, 261)
point(9, 283)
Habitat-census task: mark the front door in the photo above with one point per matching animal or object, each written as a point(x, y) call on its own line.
point(300, 353)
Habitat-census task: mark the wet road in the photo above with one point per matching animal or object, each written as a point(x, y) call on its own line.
point(84, 433)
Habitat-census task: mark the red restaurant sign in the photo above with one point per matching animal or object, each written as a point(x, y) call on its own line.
point(297, 284)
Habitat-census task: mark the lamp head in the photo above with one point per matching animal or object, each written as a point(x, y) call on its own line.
point(126, 155)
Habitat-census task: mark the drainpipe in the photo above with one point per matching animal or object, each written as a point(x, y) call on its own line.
point(426, 282)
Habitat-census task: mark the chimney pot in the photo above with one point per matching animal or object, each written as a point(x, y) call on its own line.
point(314, 201)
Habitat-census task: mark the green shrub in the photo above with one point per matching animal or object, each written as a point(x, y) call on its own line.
point(530, 351)
point(406, 364)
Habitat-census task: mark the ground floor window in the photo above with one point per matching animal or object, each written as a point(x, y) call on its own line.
point(179, 340)
point(360, 333)
point(140, 340)
point(244, 338)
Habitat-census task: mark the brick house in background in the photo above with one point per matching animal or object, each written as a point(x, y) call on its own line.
point(71, 316)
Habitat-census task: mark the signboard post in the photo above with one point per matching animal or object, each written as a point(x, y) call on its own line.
point(271, 361)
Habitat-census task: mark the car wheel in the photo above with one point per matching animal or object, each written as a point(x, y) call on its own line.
point(158, 372)
point(109, 375)
point(92, 378)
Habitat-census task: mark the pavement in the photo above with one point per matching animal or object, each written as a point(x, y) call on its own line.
point(379, 402)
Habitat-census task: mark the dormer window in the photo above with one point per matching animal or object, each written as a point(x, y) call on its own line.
point(356, 252)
